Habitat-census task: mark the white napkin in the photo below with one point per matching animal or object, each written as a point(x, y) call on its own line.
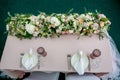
point(80, 62)
point(29, 60)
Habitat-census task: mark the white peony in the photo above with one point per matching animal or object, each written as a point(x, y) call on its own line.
point(30, 28)
point(55, 21)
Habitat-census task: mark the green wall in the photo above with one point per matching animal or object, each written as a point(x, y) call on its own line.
point(111, 8)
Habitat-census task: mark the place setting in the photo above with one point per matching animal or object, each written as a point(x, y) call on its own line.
point(81, 61)
point(32, 59)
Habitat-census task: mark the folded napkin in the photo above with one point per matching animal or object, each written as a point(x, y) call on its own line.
point(29, 60)
point(80, 62)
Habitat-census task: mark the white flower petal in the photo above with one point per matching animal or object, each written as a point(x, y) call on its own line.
point(55, 21)
point(7, 27)
point(33, 18)
point(30, 28)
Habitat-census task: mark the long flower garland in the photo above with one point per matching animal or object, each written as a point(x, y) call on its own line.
point(43, 25)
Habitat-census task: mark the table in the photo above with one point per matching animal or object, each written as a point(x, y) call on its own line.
point(57, 49)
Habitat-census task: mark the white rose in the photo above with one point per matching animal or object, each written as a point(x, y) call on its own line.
point(30, 28)
point(33, 18)
point(55, 21)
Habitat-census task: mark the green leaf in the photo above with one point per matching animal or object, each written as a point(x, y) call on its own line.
point(104, 19)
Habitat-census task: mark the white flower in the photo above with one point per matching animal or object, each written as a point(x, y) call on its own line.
point(95, 26)
point(75, 23)
point(89, 13)
point(63, 20)
point(82, 16)
point(55, 21)
point(60, 27)
point(35, 33)
point(58, 30)
point(58, 14)
point(70, 17)
point(37, 22)
point(7, 27)
point(88, 17)
point(71, 31)
point(48, 18)
point(33, 18)
point(101, 16)
point(30, 28)
point(21, 27)
point(85, 24)
point(42, 17)
point(63, 16)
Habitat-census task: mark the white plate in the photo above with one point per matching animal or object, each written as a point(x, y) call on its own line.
point(28, 61)
point(76, 58)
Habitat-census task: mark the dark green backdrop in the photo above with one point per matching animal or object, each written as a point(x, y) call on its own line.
point(111, 8)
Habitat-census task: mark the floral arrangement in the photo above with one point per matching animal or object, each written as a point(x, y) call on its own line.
point(43, 25)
